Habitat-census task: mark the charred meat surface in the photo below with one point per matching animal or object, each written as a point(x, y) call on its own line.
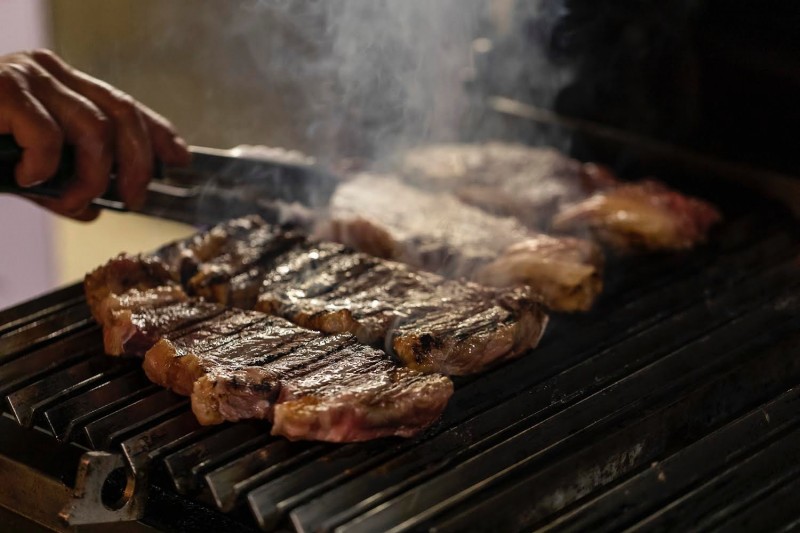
point(135, 298)
point(435, 231)
point(431, 323)
point(641, 216)
point(247, 365)
point(238, 364)
point(225, 262)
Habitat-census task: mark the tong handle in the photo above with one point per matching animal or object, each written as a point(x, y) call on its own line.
point(11, 155)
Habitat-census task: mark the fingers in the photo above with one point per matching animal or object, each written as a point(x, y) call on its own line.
point(33, 128)
point(86, 128)
point(56, 206)
point(132, 142)
point(145, 135)
point(45, 103)
point(168, 146)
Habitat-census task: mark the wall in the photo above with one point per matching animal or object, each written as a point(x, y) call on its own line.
point(26, 255)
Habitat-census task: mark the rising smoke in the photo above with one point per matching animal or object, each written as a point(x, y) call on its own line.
point(375, 75)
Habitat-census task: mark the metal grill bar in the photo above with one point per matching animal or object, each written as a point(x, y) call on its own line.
point(669, 372)
point(26, 402)
point(228, 483)
point(112, 428)
point(141, 449)
point(186, 466)
point(57, 355)
point(583, 422)
point(66, 416)
point(671, 477)
point(31, 311)
point(611, 456)
point(45, 329)
point(733, 490)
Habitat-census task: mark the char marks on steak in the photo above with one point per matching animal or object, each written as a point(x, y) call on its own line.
point(247, 365)
point(430, 323)
point(226, 263)
point(135, 299)
point(238, 364)
point(435, 231)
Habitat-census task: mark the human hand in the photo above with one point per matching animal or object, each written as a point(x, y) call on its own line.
point(45, 103)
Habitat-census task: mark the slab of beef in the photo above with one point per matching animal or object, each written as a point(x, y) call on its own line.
point(136, 300)
point(548, 191)
point(247, 365)
point(641, 216)
point(239, 364)
point(435, 231)
point(530, 183)
point(429, 323)
point(224, 263)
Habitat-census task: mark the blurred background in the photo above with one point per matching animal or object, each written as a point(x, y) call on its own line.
point(363, 78)
point(293, 74)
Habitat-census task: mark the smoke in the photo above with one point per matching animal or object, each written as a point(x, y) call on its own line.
point(374, 75)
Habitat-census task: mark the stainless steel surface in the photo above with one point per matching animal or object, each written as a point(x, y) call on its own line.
point(218, 184)
point(95, 472)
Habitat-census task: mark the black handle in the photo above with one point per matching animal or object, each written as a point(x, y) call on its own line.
point(11, 154)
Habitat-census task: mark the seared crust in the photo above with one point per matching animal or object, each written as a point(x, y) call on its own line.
point(430, 323)
point(563, 270)
point(244, 365)
point(122, 274)
point(641, 216)
point(435, 231)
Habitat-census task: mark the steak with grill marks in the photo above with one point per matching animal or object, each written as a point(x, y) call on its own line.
point(429, 323)
point(224, 263)
point(247, 365)
point(382, 216)
point(136, 300)
point(239, 364)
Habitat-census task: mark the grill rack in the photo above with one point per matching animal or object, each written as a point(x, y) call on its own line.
point(673, 405)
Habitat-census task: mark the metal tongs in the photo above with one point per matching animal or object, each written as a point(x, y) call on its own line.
point(219, 184)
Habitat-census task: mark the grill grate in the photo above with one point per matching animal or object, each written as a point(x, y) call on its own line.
point(673, 405)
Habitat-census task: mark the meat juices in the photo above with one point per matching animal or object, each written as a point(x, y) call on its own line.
point(429, 323)
point(251, 366)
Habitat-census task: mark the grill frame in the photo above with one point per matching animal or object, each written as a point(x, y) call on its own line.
point(579, 400)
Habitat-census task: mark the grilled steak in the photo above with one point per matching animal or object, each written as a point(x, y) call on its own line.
point(549, 191)
point(239, 364)
point(381, 216)
point(431, 324)
point(224, 263)
point(645, 216)
point(135, 299)
point(246, 365)
point(526, 182)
